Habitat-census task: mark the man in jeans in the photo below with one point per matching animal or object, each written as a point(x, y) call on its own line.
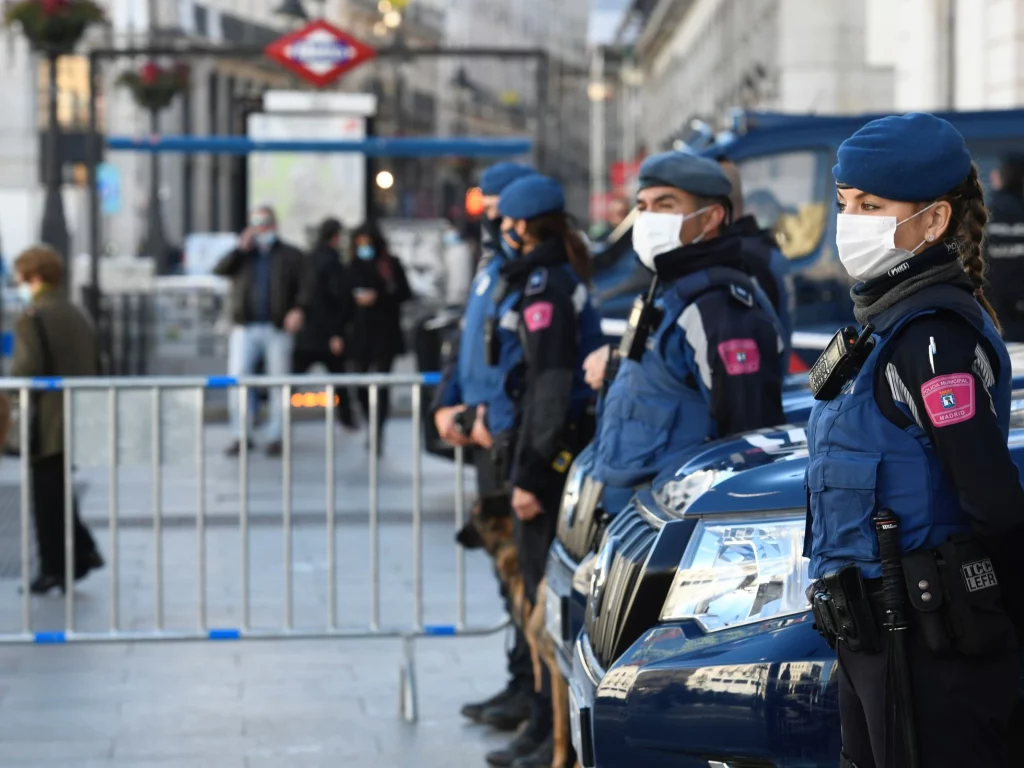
point(268, 292)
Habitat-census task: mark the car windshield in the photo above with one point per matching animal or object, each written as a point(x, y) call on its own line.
point(786, 194)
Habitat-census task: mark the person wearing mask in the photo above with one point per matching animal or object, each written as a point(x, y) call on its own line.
point(467, 384)
point(379, 288)
point(1004, 251)
point(707, 356)
point(542, 327)
point(762, 257)
point(329, 314)
point(52, 338)
point(268, 296)
point(909, 468)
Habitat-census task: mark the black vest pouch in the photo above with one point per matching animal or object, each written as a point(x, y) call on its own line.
point(978, 621)
point(854, 618)
point(927, 597)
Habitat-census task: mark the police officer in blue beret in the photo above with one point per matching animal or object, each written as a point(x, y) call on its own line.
point(543, 327)
point(468, 383)
point(915, 506)
point(704, 358)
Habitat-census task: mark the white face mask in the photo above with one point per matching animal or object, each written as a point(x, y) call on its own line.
point(25, 292)
point(658, 233)
point(867, 244)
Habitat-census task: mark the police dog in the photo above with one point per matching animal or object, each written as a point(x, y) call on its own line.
point(490, 528)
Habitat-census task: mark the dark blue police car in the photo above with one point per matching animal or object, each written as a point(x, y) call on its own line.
point(698, 647)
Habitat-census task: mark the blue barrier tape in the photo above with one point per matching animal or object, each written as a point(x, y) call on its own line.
point(48, 382)
point(439, 630)
point(50, 638)
point(221, 382)
point(406, 146)
point(431, 379)
point(224, 634)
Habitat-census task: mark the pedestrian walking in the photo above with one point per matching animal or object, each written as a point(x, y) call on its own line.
point(915, 506)
point(379, 289)
point(329, 314)
point(542, 326)
point(52, 338)
point(268, 296)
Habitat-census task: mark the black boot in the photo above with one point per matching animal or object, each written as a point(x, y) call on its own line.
point(525, 743)
point(509, 714)
point(540, 757)
point(44, 584)
point(475, 710)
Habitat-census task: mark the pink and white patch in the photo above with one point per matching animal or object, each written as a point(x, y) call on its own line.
point(949, 399)
point(538, 316)
point(740, 356)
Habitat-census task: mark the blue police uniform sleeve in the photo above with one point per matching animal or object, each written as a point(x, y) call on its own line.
point(550, 341)
point(448, 392)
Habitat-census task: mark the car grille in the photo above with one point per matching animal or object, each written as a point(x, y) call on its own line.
point(580, 538)
point(626, 545)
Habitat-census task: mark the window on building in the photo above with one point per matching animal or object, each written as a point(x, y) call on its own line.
point(787, 193)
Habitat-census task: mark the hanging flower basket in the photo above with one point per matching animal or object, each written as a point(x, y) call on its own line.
point(53, 27)
point(154, 87)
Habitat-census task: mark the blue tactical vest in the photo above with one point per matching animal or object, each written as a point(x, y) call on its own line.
point(861, 462)
point(502, 410)
point(477, 380)
point(650, 414)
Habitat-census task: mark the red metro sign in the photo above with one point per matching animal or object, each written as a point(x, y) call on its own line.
point(319, 53)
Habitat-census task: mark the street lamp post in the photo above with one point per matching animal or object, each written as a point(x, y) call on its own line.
point(155, 242)
point(54, 229)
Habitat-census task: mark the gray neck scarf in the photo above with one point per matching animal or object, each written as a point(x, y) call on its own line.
point(869, 302)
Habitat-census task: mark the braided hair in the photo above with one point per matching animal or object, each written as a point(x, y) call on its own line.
point(967, 228)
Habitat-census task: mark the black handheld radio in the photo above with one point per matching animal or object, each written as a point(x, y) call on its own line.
point(643, 319)
point(840, 361)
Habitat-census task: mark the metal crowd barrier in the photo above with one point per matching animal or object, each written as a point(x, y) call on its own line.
point(159, 387)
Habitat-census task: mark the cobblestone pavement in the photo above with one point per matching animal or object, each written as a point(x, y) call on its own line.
point(252, 703)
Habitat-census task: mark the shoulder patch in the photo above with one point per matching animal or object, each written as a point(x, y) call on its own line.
point(742, 295)
point(538, 281)
point(538, 316)
point(949, 399)
point(740, 356)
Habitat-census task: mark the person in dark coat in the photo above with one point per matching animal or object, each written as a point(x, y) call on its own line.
point(268, 301)
point(52, 338)
point(379, 288)
point(329, 313)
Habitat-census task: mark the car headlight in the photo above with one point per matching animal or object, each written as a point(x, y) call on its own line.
point(739, 572)
point(571, 494)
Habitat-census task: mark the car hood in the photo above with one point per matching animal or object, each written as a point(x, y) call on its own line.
point(756, 471)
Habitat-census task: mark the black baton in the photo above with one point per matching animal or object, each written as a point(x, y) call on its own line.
point(899, 693)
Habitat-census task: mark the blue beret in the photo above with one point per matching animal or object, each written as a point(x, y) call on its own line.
point(690, 173)
point(494, 179)
point(911, 158)
point(530, 197)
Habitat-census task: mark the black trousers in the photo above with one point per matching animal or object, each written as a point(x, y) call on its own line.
point(520, 665)
point(962, 706)
point(383, 365)
point(48, 512)
point(303, 359)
